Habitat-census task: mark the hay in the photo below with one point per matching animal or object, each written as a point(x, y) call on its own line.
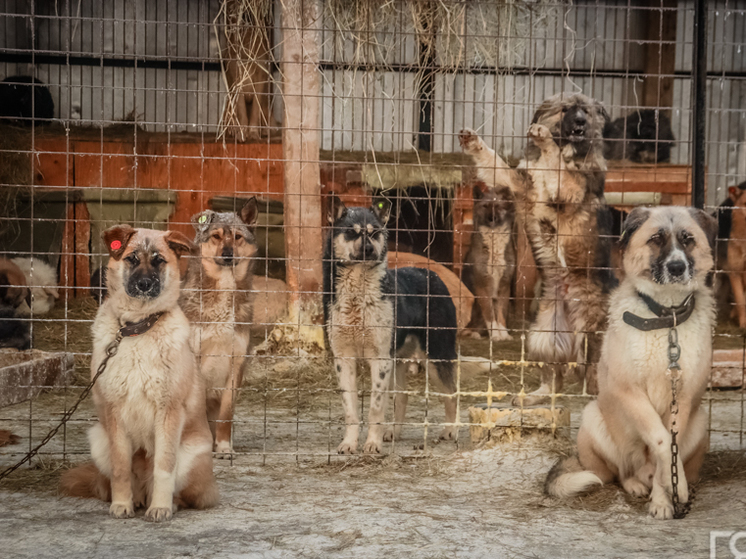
point(15, 175)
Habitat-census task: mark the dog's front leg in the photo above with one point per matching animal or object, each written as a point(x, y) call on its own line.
point(169, 424)
point(347, 378)
point(736, 284)
point(120, 458)
point(224, 426)
point(380, 378)
point(641, 414)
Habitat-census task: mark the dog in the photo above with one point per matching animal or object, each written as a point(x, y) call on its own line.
point(42, 280)
point(26, 101)
point(217, 299)
point(643, 136)
point(152, 445)
point(558, 188)
point(626, 433)
point(378, 315)
point(731, 257)
point(15, 332)
point(490, 264)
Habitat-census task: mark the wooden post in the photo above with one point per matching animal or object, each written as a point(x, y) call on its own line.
point(300, 141)
point(660, 55)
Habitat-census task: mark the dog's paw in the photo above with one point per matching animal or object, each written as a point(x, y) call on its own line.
point(531, 400)
point(448, 434)
point(372, 447)
point(500, 335)
point(539, 133)
point(469, 140)
point(390, 435)
point(159, 514)
point(347, 447)
point(635, 487)
point(223, 450)
point(660, 509)
point(122, 510)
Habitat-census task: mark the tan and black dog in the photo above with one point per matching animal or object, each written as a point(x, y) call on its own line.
point(152, 445)
point(732, 247)
point(489, 265)
point(559, 188)
point(217, 300)
point(625, 435)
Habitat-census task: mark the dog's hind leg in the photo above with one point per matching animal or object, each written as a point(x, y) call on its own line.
point(347, 377)
point(441, 373)
point(399, 383)
point(200, 490)
point(380, 378)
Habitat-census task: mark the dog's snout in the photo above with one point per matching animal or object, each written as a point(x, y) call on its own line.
point(581, 118)
point(144, 284)
point(369, 251)
point(676, 268)
point(227, 253)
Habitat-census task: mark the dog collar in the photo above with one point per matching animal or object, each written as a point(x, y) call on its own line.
point(131, 329)
point(668, 317)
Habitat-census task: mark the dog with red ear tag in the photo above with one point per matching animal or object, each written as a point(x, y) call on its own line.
point(152, 445)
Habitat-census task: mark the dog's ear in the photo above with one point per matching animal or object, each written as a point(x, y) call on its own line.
point(180, 244)
point(634, 221)
point(382, 208)
point(249, 212)
point(116, 239)
point(708, 224)
point(732, 194)
point(602, 113)
point(337, 209)
point(478, 193)
point(202, 220)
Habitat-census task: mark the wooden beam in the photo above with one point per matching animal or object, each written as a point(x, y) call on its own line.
point(300, 140)
point(660, 54)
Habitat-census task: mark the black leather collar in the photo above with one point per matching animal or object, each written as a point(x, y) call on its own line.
point(131, 329)
point(668, 317)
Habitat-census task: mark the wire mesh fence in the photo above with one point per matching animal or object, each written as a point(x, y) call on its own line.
point(172, 115)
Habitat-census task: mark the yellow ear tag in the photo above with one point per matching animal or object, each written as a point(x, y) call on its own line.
point(380, 205)
point(202, 219)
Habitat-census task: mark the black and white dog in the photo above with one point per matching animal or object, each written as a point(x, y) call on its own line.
point(380, 315)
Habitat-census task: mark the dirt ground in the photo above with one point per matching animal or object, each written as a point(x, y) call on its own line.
point(287, 494)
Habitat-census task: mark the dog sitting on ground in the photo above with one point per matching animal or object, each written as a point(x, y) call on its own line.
point(380, 315)
point(152, 446)
point(14, 293)
point(626, 433)
point(42, 280)
point(642, 137)
point(731, 257)
point(489, 265)
point(217, 299)
point(558, 187)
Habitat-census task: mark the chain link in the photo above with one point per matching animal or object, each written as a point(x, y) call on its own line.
point(680, 510)
point(111, 351)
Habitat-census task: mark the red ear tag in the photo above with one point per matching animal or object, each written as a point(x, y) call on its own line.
point(116, 245)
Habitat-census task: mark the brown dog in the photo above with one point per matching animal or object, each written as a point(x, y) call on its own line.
point(489, 265)
point(152, 446)
point(559, 197)
point(217, 299)
point(733, 234)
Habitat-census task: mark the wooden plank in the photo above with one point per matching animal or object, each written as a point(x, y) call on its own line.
point(300, 140)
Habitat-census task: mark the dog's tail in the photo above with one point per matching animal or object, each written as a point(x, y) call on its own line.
point(567, 478)
point(85, 481)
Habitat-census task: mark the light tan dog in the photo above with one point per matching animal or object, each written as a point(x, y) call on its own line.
point(217, 298)
point(152, 446)
point(626, 434)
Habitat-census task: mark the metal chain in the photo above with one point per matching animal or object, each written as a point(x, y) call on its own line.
point(680, 510)
point(111, 351)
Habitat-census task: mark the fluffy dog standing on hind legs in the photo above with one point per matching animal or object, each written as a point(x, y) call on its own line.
point(627, 433)
point(558, 188)
point(152, 445)
point(382, 316)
